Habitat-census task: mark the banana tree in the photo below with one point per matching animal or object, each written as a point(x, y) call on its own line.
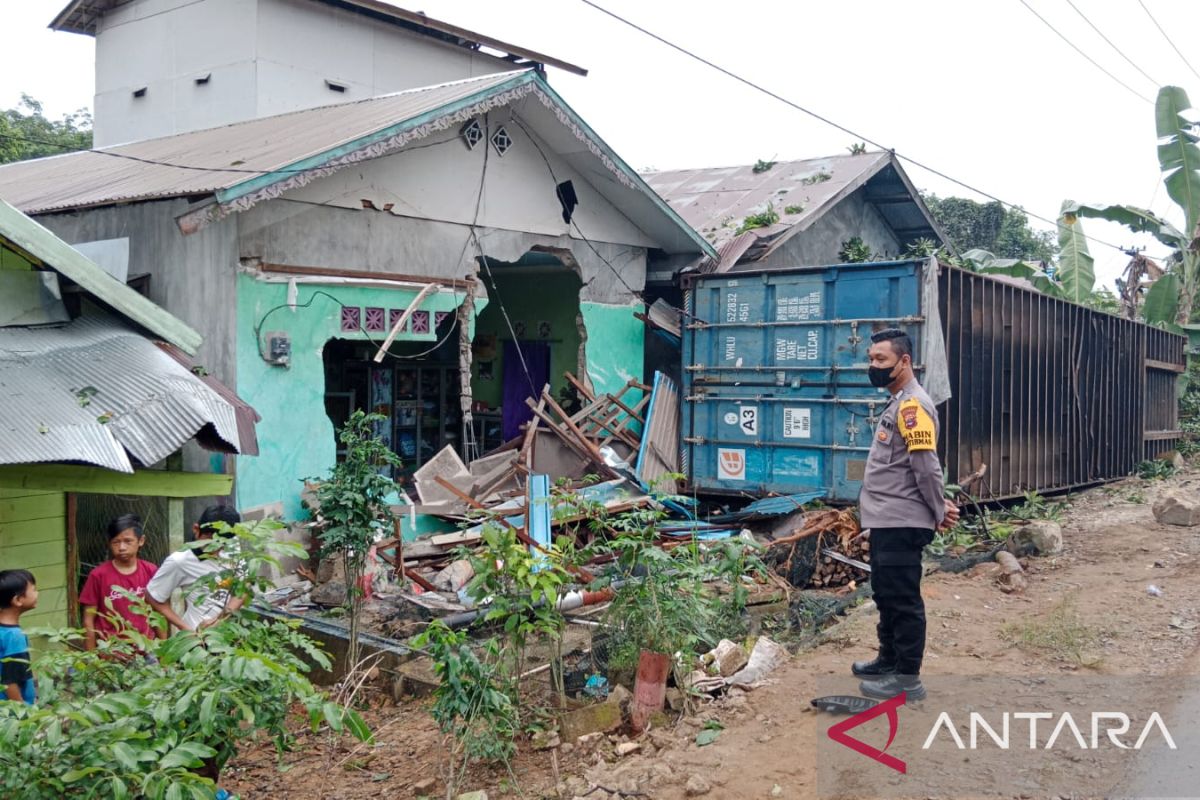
point(1171, 298)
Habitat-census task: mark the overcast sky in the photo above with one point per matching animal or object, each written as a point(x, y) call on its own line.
point(982, 91)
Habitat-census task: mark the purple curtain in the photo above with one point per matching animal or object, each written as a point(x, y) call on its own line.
point(518, 385)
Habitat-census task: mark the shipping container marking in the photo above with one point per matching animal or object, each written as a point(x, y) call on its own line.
point(797, 423)
point(731, 464)
point(799, 308)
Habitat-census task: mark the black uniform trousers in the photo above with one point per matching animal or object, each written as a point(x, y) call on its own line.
point(896, 586)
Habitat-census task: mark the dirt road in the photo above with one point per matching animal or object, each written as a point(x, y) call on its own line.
point(1087, 610)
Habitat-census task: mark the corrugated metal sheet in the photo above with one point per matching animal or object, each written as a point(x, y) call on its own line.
point(112, 174)
point(57, 383)
point(658, 456)
point(1049, 394)
point(247, 417)
point(715, 201)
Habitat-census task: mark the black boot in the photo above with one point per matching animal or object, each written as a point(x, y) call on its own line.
point(888, 686)
point(876, 666)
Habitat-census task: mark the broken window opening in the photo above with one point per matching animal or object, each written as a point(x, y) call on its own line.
point(418, 394)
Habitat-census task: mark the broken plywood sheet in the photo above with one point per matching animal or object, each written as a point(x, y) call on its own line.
point(446, 464)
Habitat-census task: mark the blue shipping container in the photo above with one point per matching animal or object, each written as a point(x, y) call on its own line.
point(776, 396)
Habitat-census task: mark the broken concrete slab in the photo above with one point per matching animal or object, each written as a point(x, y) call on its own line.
point(598, 718)
point(1176, 508)
point(727, 658)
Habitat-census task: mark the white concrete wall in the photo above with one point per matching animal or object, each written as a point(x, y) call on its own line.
point(440, 183)
point(265, 57)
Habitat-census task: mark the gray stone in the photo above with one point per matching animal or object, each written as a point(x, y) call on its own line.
point(1173, 458)
point(1175, 508)
point(544, 740)
point(332, 593)
point(1043, 537)
point(625, 748)
point(697, 786)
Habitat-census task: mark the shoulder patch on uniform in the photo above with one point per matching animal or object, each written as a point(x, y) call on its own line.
point(916, 426)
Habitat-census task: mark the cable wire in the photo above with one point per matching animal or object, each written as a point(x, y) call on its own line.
point(1077, 49)
point(1120, 52)
point(1168, 38)
point(763, 90)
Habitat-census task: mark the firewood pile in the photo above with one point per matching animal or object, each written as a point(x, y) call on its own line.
point(801, 557)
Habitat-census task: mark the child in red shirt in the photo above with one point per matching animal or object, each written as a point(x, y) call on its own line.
point(106, 609)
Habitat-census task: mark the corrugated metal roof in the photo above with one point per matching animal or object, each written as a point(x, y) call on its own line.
point(56, 383)
point(82, 16)
point(717, 201)
point(238, 152)
point(247, 417)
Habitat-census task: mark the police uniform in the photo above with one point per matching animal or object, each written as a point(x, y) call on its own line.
point(902, 504)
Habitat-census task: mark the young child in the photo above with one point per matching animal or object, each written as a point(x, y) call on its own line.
point(18, 594)
point(181, 570)
point(103, 588)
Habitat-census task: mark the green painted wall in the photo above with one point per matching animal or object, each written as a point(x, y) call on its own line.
point(33, 536)
point(530, 300)
point(615, 342)
point(295, 436)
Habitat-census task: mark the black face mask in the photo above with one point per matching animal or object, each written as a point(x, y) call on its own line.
point(881, 377)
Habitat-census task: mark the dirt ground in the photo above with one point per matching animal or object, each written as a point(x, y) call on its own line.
point(1086, 610)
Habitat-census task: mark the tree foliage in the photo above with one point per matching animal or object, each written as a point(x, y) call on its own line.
point(26, 133)
point(1004, 232)
point(158, 719)
point(353, 502)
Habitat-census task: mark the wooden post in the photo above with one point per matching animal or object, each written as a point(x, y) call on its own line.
point(175, 521)
point(73, 617)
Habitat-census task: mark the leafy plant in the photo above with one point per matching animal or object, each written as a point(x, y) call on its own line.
point(855, 251)
point(761, 166)
point(857, 149)
point(1035, 507)
point(921, 248)
point(521, 590)
point(352, 502)
point(158, 719)
point(470, 703)
point(793, 209)
point(763, 219)
point(816, 177)
point(664, 605)
point(1155, 469)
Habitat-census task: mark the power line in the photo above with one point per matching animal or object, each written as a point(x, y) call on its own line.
point(1076, 48)
point(759, 88)
point(1120, 52)
point(1168, 38)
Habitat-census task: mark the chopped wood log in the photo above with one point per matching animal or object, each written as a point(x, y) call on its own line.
point(1012, 576)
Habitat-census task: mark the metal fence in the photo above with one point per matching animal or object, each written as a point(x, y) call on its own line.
point(1049, 394)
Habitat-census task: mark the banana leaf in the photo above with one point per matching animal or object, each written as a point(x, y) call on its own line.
point(1076, 267)
point(1178, 155)
point(1162, 301)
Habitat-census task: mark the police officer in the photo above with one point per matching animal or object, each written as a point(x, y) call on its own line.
point(901, 504)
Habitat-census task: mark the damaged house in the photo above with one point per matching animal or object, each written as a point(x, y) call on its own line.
point(475, 222)
point(99, 399)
